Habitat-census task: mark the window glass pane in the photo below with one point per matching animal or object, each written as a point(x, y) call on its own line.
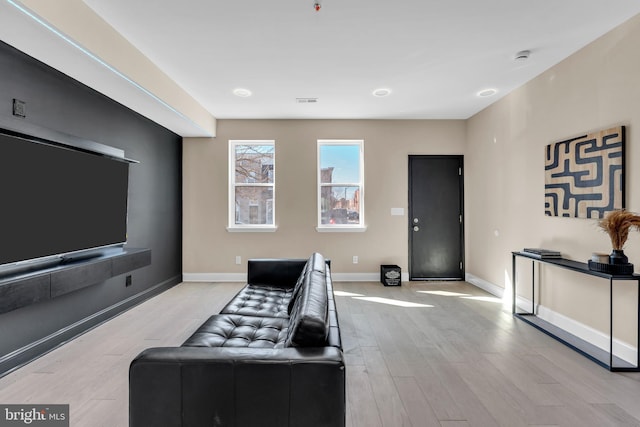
point(340, 205)
point(254, 205)
point(340, 164)
point(254, 164)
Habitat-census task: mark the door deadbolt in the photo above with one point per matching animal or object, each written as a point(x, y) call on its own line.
point(416, 220)
point(416, 228)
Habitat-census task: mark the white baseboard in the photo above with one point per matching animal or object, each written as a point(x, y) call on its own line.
point(483, 284)
point(355, 277)
point(214, 277)
point(495, 290)
point(242, 277)
point(362, 277)
point(621, 349)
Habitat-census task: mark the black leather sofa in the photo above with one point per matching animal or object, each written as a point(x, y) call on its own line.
point(272, 357)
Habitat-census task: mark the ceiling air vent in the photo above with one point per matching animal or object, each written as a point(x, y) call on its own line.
point(306, 100)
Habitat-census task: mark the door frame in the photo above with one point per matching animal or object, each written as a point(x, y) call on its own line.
point(460, 157)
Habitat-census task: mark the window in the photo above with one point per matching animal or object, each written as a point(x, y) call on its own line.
point(251, 185)
point(340, 185)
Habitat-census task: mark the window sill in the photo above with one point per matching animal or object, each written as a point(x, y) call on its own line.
point(253, 229)
point(338, 229)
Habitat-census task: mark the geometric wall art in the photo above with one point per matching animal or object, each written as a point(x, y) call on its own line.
point(584, 176)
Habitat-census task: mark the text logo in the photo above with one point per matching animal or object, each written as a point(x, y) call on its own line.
point(34, 415)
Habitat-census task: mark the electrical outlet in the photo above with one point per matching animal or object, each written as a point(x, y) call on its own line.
point(238, 259)
point(127, 281)
point(19, 108)
point(355, 259)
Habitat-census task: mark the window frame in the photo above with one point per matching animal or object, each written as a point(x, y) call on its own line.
point(360, 227)
point(232, 226)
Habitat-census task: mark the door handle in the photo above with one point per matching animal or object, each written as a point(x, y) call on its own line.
point(416, 228)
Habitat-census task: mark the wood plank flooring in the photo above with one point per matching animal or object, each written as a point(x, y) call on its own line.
point(459, 360)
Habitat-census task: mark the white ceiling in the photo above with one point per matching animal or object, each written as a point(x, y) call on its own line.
point(434, 55)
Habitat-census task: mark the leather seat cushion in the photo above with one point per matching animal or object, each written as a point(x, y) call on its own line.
point(231, 330)
point(260, 300)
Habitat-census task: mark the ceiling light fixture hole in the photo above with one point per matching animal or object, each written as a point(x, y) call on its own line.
point(242, 93)
point(485, 93)
point(382, 92)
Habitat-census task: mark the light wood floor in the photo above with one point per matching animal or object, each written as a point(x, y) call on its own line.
point(457, 362)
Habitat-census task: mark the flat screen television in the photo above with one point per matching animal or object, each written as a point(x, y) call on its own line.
point(57, 200)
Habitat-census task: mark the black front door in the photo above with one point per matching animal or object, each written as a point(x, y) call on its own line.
point(436, 231)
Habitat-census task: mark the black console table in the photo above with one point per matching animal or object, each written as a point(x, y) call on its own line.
point(601, 357)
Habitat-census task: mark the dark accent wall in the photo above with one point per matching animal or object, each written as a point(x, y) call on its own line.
point(58, 104)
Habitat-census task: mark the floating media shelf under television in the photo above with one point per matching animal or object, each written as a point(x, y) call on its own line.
point(59, 198)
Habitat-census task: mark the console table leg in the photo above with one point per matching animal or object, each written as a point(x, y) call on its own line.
point(610, 323)
point(513, 285)
point(533, 287)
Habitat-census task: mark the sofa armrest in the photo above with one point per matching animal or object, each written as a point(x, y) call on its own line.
point(274, 272)
point(237, 386)
point(282, 272)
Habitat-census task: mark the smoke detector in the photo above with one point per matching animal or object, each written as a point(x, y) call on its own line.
point(522, 56)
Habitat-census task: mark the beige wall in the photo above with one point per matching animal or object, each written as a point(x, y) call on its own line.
point(210, 248)
point(598, 87)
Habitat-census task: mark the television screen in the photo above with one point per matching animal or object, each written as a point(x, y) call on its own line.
point(58, 200)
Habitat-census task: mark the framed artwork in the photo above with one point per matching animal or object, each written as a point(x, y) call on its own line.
point(584, 176)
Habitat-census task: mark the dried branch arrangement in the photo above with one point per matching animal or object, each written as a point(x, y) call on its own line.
point(617, 224)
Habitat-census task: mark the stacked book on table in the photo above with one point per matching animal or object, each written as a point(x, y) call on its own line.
point(542, 253)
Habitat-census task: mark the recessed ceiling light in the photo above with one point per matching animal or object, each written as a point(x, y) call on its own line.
point(486, 93)
point(381, 92)
point(241, 92)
